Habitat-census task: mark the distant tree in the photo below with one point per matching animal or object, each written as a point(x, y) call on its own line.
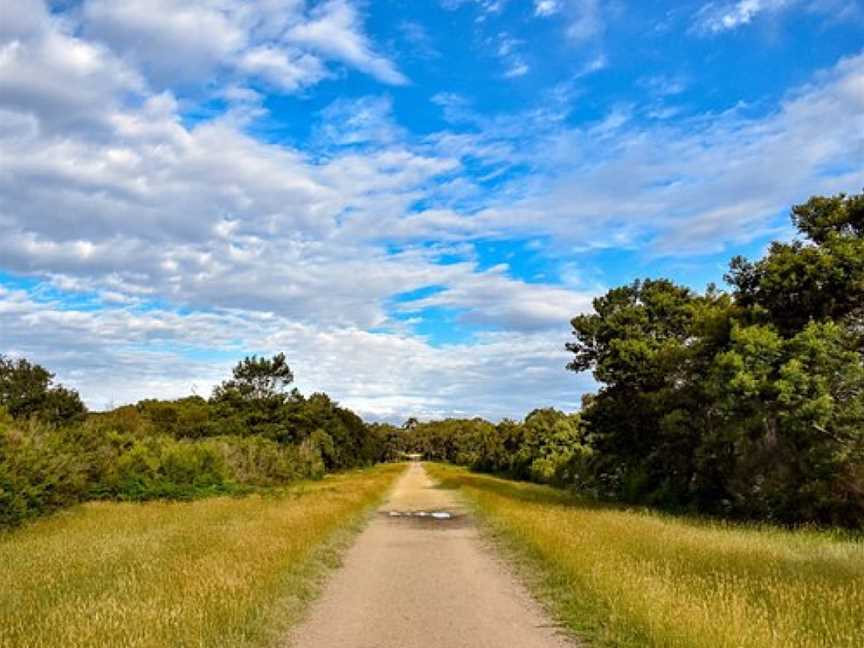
point(28, 389)
point(258, 379)
point(254, 400)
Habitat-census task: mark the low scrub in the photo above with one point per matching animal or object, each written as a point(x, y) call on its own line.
point(43, 469)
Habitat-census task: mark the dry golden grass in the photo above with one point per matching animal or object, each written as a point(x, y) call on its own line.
point(215, 572)
point(632, 578)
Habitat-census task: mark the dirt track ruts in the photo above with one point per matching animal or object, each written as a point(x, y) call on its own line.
point(410, 582)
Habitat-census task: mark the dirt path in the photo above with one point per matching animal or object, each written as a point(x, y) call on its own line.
point(421, 582)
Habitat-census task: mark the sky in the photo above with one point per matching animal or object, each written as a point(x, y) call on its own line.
point(409, 198)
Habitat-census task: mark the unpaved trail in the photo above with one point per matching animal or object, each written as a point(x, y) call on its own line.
point(418, 582)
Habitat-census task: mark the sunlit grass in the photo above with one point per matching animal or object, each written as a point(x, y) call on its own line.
point(216, 572)
point(636, 578)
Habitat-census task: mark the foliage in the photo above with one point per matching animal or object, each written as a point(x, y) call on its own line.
point(818, 279)
point(251, 434)
point(28, 390)
point(548, 446)
point(750, 404)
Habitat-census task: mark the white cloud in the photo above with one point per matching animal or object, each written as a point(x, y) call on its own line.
point(118, 355)
point(491, 297)
point(689, 186)
point(108, 194)
point(518, 69)
point(663, 85)
point(719, 17)
point(486, 7)
point(507, 49)
point(585, 19)
point(546, 7)
point(189, 42)
point(367, 120)
point(333, 29)
point(173, 39)
point(282, 67)
point(715, 17)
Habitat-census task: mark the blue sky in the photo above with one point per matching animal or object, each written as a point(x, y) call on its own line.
point(409, 198)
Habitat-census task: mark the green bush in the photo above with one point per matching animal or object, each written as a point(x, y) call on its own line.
point(43, 469)
point(39, 473)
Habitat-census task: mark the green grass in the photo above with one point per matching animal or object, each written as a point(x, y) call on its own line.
point(635, 578)
point(216, 572)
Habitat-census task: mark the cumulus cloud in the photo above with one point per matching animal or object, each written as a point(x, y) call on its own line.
point(283, 43)
point(492, 298)
point(111, 195)
point(117, 355)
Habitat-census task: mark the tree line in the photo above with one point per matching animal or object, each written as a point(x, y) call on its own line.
point(747, 403)
point(253, 432)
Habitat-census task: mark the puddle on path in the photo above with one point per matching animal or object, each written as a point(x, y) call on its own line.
point(438, 515)
point(433, 518)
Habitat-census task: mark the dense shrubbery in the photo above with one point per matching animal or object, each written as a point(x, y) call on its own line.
point(44, 468)
point(252, 433)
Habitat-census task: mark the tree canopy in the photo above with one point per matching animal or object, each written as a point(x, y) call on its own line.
point(28, 390)
point(750, 403)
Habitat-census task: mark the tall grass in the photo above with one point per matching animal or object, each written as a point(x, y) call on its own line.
point(635, 578)
point(216, 572)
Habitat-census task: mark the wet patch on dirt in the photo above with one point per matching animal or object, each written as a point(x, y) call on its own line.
point(428, 519)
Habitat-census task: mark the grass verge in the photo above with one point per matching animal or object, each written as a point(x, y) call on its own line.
point(633, 578)
point(216, 572)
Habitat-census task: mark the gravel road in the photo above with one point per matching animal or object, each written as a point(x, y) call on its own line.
point(417, 581)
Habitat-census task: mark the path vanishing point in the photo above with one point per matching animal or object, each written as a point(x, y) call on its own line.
point(412, 581)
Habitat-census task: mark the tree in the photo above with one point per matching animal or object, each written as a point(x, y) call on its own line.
point(817, 279)
point(257, 379)
point(28, 389)
point(643, 343)
point(255, 399)
point(552, 449)
point(751, 404)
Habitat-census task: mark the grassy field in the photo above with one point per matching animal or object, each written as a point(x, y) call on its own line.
point(627, 578)
point(216, 572)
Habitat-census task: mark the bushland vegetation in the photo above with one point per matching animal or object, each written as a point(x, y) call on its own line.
point(253, 432)
point(745, 404)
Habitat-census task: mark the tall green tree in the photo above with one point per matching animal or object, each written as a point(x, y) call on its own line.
point(750, 403)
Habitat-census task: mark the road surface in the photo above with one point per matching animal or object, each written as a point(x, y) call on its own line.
point(416, 581)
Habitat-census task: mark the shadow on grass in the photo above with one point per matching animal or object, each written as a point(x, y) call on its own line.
point(516, 490)
point(453, 478)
